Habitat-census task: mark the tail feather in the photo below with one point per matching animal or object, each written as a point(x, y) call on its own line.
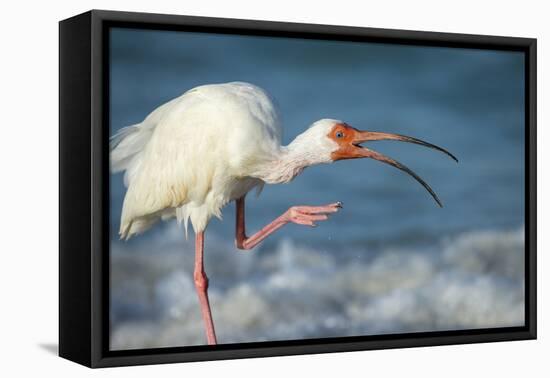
point(136, 226)
point(127, 148)
point(126, 145)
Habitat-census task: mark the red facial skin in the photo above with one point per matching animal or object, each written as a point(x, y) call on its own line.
point(345, 136)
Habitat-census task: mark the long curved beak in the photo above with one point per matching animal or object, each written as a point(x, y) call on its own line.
point(367, 136)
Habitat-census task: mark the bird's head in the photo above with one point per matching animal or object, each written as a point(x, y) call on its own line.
point(330, 140)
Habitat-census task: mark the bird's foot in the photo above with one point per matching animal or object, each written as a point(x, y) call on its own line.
point(308, 215)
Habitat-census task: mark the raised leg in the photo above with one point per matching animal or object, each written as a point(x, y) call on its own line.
point(304, 215)
point(201, 284)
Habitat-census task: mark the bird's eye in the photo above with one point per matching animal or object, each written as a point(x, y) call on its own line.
point(339, 134)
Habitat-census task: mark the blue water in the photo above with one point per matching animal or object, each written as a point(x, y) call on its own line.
point(468, 101)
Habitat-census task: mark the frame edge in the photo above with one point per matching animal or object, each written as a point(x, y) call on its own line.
point(98, 18)
point(74, 190)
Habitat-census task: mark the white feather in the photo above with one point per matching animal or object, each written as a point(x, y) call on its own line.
point(193, 154)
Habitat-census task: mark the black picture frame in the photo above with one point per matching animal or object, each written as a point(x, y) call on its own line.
point(84, 194)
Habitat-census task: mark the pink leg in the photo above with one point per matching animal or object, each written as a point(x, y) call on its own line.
point(201, 284)
point(305, 215)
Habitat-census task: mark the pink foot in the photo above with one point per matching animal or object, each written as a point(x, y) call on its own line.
point(308, 215)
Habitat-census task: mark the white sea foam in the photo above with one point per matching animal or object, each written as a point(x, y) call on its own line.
point(473, 280)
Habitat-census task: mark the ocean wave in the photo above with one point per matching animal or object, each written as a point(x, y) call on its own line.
point(293, 291)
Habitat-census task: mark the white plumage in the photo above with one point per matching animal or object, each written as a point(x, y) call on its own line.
point(194, 154)
point(213, 144)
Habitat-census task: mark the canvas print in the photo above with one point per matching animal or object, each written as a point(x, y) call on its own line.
point(271, 188)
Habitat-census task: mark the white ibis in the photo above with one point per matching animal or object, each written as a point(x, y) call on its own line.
point(193, 155)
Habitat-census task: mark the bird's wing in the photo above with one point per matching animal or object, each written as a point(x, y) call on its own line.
point(196, 153)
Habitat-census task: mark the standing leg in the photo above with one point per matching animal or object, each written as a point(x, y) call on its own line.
point(201, 284)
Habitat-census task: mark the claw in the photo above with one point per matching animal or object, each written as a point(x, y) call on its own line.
point(308, 215)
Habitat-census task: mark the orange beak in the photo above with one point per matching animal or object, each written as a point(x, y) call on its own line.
point(351, 149)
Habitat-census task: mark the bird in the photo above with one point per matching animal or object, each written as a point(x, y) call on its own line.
point(212, 145)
